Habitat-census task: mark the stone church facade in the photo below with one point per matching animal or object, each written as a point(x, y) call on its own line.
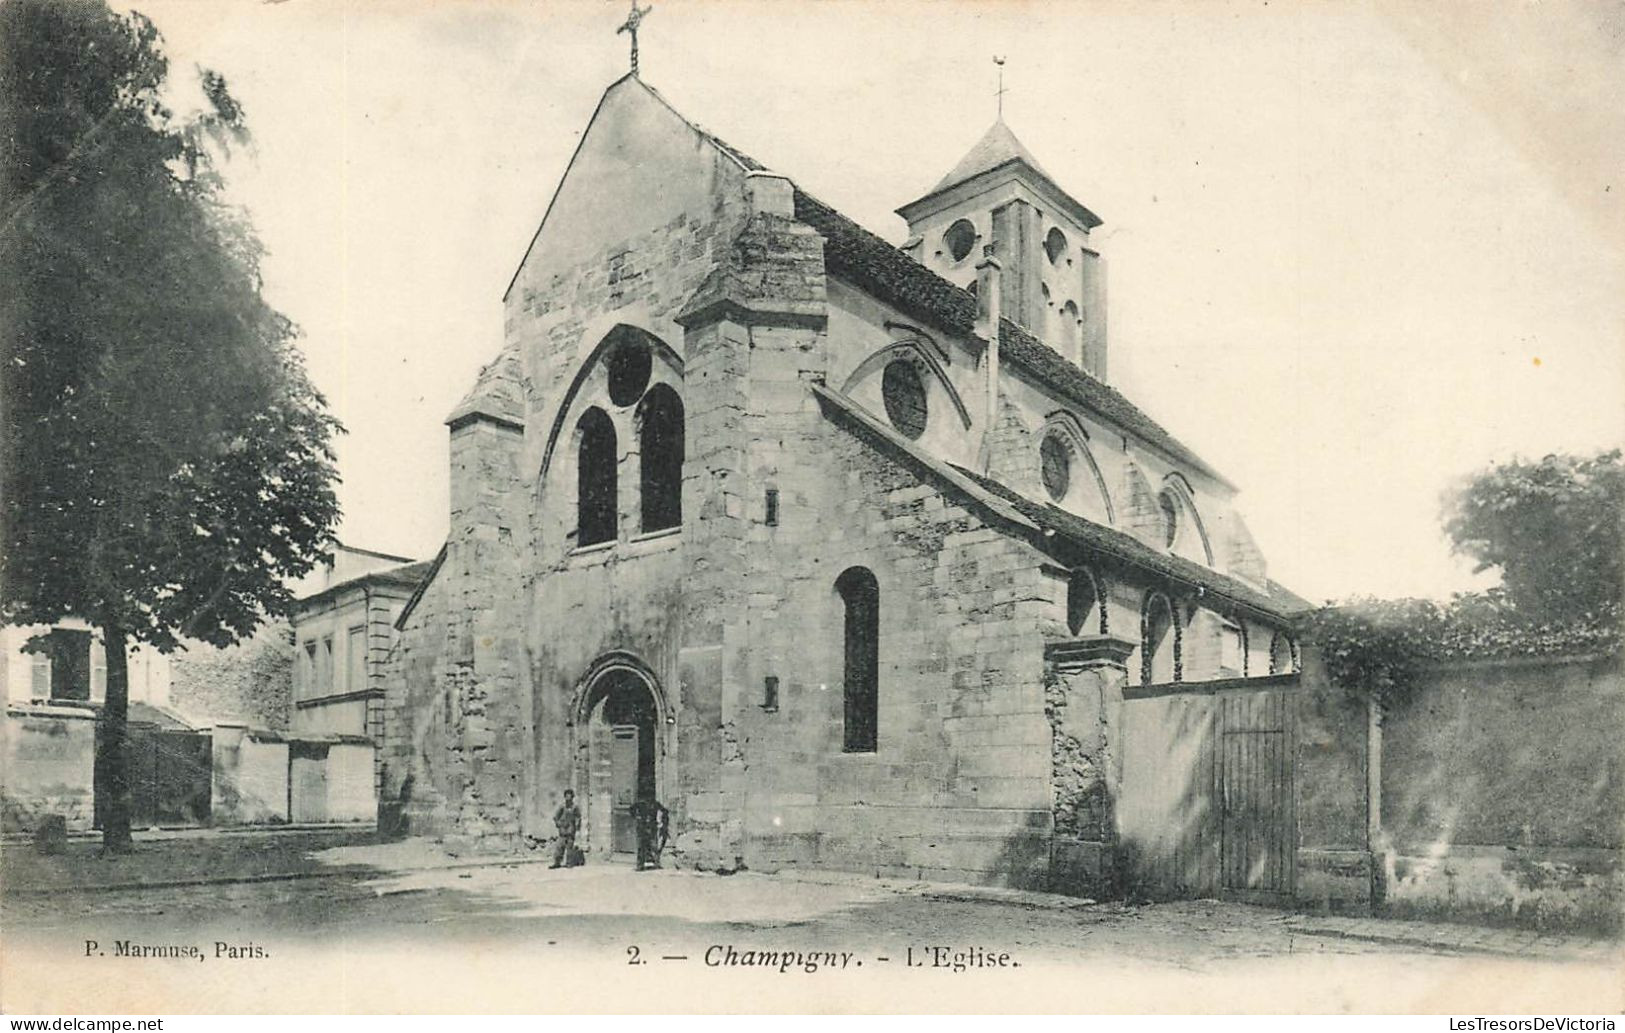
point(844, 551)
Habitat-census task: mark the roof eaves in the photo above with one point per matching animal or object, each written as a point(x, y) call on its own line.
point(853, 416)
point(407, 576)
point(1039, 522)
point(1088, 534)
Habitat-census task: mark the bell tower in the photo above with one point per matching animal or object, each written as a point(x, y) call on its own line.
point(1054, 281)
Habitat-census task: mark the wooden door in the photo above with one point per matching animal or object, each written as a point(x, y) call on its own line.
point(623, 781)
point(307, 781)
point(1257, 827)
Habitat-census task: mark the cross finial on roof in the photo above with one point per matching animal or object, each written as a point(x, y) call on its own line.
point(1001, 90)
point(634, 18)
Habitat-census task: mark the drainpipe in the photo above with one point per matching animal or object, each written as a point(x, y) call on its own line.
point(988, 314)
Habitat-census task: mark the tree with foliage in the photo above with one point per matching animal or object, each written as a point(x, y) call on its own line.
point(167, 464)
point(1554, 529)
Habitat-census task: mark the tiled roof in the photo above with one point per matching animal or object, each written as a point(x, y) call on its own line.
point(1049, 527)
point(858, 255)
point(1018, 345)
point(1272, 597)
point(854, 253)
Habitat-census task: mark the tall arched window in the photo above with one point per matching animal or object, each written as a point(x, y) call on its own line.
point(660, 434)
point(860, 598)
point(1159, 642)
point(595, 478)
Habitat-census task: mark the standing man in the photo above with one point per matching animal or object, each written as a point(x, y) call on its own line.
point(567, 819)
point(653, 823)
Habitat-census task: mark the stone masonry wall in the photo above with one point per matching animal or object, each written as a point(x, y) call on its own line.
point(959, 786)
point(456, 720)
point(250, 682)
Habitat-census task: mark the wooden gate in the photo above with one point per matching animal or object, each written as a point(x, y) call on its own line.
point(170, 776)
point(1257, 832)
point(1205, 806)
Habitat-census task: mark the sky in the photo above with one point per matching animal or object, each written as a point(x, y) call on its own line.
point(1356, 251)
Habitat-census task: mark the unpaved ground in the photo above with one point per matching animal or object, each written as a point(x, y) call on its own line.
point(526, 938)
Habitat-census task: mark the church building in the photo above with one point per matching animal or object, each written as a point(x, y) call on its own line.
point(843, 551)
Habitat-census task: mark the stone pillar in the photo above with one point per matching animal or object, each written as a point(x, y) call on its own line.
point(1084, 680)
point(489, 729)
point(753, 339)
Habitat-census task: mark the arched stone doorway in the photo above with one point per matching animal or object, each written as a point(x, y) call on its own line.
point(619, 738)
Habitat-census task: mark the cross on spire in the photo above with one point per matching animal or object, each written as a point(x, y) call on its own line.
point(1001, 90)
point(634, 18)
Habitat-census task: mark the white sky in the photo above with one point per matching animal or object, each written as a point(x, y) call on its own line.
point(1339, 235)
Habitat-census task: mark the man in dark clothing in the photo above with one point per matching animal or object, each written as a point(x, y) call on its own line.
point(653, 824)
point(567, 819)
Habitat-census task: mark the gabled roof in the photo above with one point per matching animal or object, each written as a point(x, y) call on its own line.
point(629, 80)
point(429, 574)
point(1050, 528)
point(857, 255)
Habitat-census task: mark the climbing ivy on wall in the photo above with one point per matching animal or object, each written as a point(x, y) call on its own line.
point(1376, 647)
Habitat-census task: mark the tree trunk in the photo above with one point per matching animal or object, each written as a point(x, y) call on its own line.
point(112, 752)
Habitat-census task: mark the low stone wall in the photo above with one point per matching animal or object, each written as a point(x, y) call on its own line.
point(48, 762)
point(1503, 784)
point(1331, 806)
point(250, 776)
point(47, 766)
point(351, 793)
point(1542, 887)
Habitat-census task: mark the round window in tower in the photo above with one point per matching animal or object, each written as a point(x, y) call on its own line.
point(904, 394)
point(629, 365)
point(1055, 245)
point(1170, 517)
point(959, 239)
point(1055, 466)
